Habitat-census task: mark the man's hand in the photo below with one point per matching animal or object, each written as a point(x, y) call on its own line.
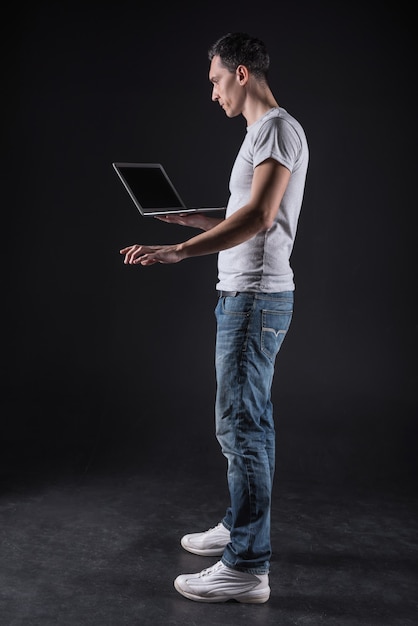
point(148, 255)
point(193, 220)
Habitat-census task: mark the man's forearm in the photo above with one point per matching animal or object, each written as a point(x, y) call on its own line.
point(227, 233)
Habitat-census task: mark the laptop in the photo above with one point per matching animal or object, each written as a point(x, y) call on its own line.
point(152, 191)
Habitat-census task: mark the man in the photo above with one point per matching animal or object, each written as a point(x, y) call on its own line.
point(253, 313)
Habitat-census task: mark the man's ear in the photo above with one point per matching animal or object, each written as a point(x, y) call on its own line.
point(242, 74)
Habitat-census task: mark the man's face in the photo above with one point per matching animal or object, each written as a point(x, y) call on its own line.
point(227, 90)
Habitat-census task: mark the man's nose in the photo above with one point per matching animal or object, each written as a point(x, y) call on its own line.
point(215, 95)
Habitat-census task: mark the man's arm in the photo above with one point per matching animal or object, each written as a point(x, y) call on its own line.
point(194, 220)
point(269, 184)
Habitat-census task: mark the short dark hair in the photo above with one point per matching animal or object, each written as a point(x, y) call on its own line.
point(241, 49)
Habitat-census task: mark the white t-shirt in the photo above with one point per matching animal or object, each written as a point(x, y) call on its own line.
point(262, 264)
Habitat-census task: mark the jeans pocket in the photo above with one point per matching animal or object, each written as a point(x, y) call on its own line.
point(275, 325)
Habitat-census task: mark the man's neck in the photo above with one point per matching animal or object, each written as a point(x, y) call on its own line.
point(259, 100)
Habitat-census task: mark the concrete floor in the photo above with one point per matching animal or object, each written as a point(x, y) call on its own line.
point(101, 547)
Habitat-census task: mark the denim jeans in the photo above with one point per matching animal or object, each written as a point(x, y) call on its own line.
point(250, 330)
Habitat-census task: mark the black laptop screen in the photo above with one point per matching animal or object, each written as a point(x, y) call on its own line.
point(150, 187)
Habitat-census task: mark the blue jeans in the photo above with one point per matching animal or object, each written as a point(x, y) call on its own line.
point(250, 330)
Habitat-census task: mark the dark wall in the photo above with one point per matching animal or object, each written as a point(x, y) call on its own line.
point(99, 357)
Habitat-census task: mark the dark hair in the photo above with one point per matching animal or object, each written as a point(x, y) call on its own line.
point(241, 49)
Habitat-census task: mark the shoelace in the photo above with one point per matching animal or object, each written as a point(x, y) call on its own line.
point(210, 570)
point(214, 528)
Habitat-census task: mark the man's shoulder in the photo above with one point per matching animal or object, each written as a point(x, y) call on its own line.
point(280, 122)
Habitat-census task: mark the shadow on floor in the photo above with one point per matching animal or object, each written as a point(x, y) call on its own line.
point(101, 547)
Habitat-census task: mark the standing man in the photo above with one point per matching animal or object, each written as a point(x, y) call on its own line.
point(254, 310)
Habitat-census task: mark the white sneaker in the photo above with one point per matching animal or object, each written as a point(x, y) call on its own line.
point(212, 542)
point(220, 583)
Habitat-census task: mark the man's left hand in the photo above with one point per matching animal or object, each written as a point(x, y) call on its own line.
point(149, 255)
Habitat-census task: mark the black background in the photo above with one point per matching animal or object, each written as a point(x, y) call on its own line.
point(106, 364)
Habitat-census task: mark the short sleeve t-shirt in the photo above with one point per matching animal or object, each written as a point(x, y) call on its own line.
point(262, 264)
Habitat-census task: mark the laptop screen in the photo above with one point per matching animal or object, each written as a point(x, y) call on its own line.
point(149, 185)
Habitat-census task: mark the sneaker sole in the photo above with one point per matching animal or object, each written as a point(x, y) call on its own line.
point(253, 597)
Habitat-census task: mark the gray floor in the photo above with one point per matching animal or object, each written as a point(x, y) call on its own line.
point(101, 547)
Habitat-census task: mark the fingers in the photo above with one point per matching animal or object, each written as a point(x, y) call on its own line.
point(148, 255)
point(165, 218)
point(146, 260)
point(133, 254)
point(169, 219)
point(177, 218)
point(129, 252)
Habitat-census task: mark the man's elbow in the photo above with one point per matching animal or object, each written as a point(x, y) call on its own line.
point(267, 220)
point(268, 223)
point(262, 218)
